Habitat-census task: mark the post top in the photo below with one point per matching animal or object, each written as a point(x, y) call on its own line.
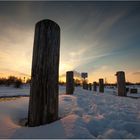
point(47, 21)
point(119, 72)
point(69, 71)
point(101, 79)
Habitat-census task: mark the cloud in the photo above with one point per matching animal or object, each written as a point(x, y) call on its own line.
point(8, 72)
point(104, 71)
point(90, 34)
point(136, 73)
point(85, 43)
point(16, 43)
point(76, 74)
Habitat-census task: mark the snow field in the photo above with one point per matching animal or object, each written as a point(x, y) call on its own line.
point(83, 115)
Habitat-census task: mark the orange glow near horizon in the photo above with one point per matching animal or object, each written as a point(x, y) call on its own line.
point(16, 58)
point(104, 72)
point(95, 41)
point(108, 75)
point(109, 78)
point(18, 75)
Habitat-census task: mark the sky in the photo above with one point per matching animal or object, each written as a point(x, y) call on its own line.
point(100, 38)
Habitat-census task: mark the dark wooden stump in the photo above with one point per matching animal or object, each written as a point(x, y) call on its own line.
point(84, 84)
point(69, 82)
point(121, 83)
point(90, 86)
point(101, 85)
point(94, 86)
point(43, 103)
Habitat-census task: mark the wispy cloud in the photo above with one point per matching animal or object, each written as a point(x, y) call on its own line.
point(76, 74)
point(92, 35)
point(16, 48)
point(136, 73)
point(8, 72)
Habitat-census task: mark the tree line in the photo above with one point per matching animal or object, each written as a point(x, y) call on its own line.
point(13, 81)
point(18, 82)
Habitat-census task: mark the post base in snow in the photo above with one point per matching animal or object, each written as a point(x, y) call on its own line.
point(23, 122)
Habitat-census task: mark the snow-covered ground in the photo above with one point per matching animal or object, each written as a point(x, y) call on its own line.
point(85, 114)
point(23, 91)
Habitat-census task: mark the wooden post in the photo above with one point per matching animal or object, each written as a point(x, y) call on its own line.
point(101, 85)
point(84, 84)
point(69, 82)
point(90, 86)
point(94, 86)
point(43, 103)
point(121, 83)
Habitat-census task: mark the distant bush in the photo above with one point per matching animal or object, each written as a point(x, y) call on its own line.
point(18, 83)
point(77, 82)
point(3, 81)
point(62, 83)
point(11, 80)
point(28, 81)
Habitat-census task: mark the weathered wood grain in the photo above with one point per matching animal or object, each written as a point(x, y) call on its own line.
point(43, 103)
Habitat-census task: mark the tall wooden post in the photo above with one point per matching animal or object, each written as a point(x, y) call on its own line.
point(101, 85)
point(69, 82)
point(121, 83)
point(43, 103)
point(90, 86)
point(84, 84)
point(94, 86)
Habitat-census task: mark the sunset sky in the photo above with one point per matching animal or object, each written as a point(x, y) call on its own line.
point(96, 37)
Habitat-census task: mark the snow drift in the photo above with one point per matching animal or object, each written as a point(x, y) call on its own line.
point(83, 115)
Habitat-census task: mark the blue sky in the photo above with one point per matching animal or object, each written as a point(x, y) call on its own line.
point(96, 37)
